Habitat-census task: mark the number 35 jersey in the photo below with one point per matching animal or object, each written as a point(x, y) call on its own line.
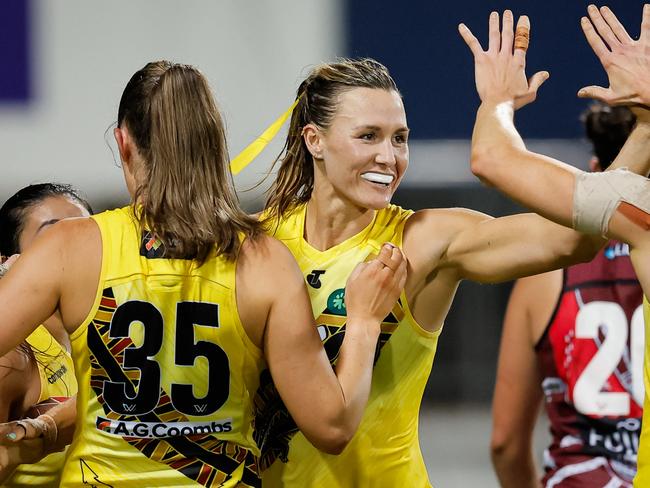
point(591, 359)
point(166, 372)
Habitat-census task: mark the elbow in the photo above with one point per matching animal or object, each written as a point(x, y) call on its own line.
point(582, 249)
point(484, 161)
point(477, 162)
point(332, 439)
point(504, 450)
point(498, 450)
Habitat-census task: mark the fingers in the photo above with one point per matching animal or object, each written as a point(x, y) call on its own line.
point(537, 80)
point(470, 40)
point(385, 254)
point(522, 34)
point(507, 34)
point(13, 432)
point(494, 34)
point(602, 27)
point(613, 22)
point(390, 256)
point(595, 92)
point(594, 40)
point(645, 23)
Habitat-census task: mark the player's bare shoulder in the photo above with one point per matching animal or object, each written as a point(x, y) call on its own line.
point(437, 227)
point(266, 263)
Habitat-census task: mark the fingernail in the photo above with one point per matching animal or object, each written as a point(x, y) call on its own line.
point(11, 436)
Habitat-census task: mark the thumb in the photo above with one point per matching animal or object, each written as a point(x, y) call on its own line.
point(538, 80)
point(595, 92)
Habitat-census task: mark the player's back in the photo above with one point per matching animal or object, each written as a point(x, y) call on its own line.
point(591, 358)
point(165, 369)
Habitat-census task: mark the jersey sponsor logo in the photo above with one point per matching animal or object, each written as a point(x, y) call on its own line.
point(622, 443)
point(57, 375)
point(313, 278)
point(618, 250)
point(336, 302)
point(160, 430)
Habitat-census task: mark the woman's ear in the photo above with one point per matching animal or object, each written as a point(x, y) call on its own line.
point(123, 141)
point(313, 140)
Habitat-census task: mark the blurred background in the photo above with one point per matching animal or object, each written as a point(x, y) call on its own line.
point(63, 66)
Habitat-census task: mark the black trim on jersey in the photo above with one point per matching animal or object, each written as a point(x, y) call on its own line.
point(595, 283)
point(556, 309)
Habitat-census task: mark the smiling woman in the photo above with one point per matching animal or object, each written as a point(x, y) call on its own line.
point(345, 155)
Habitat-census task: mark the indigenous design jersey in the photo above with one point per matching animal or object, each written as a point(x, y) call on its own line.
point(591, 358)
point(385, 451)
point(58, 383)
point(166, 371)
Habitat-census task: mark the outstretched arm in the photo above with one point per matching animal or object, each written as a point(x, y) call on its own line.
point(500, 158)
point(489, 250)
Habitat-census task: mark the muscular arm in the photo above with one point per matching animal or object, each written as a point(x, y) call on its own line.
point(517, 393)
point(500, 158)
point(536, 181)
point(490, 250)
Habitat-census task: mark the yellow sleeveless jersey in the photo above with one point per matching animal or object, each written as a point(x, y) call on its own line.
point(385, 451)
point(58, 383)
point(642, 478)
point(165, 369)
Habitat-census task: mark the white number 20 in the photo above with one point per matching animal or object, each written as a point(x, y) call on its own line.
point(588, 396)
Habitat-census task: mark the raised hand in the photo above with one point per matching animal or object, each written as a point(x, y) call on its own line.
point(626, 61)
point(501, 71)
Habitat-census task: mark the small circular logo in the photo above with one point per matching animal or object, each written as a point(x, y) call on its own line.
point(336, 302)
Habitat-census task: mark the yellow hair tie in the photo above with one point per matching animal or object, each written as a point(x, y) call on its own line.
point(247, 156)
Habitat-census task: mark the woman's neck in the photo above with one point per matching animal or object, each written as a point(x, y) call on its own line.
point(330, 220)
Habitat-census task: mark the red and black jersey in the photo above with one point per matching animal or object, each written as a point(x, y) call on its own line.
point(591, 360)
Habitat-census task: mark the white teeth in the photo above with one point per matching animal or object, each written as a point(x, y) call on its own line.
point(378, 178)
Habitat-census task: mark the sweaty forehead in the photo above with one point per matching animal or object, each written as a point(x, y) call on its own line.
point(370, 106)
